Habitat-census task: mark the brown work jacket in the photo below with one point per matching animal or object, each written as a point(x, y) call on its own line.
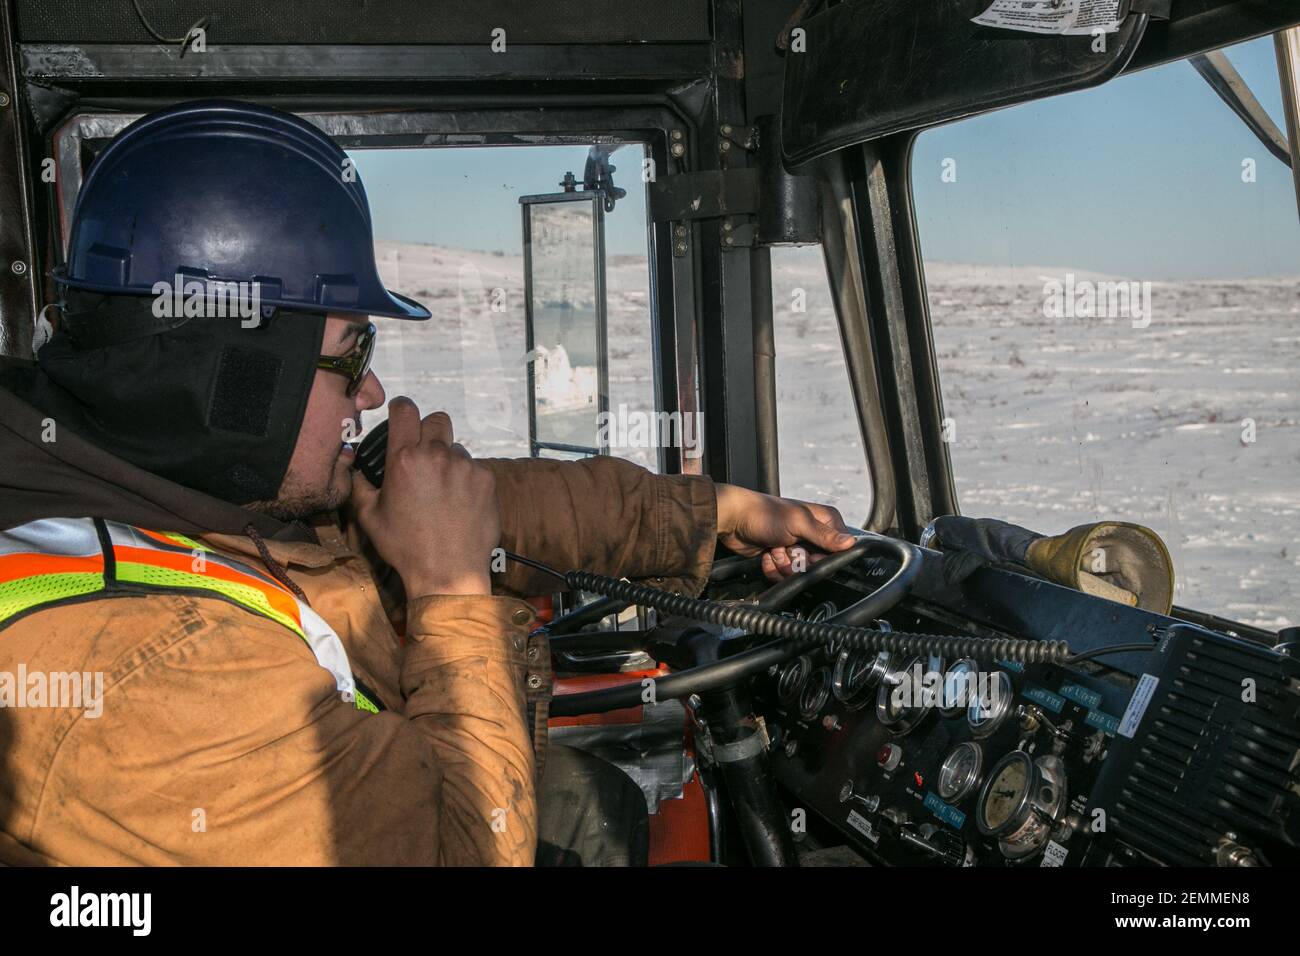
point(221, 741)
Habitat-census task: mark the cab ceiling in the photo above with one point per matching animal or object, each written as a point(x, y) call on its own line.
point(367, 21)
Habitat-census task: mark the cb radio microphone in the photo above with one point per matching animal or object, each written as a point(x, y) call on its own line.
point(371, 452)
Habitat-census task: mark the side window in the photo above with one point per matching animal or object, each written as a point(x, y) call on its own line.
point(448, 233)
point(1113, 288)
point(820, 444)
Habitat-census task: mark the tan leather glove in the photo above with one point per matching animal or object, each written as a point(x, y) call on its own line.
point(1116, 560)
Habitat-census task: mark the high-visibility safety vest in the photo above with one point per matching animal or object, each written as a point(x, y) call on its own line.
point(60, 560)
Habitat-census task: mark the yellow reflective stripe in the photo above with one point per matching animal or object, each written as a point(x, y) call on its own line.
point(183, 541)
point(23, 594)
point(363, 702)
point(246, 595)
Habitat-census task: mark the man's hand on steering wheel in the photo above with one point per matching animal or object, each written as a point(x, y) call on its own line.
point(750, 522)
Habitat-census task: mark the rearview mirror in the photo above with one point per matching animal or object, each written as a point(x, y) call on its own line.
point(565, 322)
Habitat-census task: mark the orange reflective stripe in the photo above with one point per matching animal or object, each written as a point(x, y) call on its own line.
point(277, 597)
point(30, 564)
point(157, 536)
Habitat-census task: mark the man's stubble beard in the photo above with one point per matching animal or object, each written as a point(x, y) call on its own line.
point(298, 501)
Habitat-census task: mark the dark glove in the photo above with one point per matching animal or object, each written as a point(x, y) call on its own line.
point(968, 544)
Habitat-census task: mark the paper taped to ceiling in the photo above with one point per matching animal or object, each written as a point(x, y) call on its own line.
point(1062, 17)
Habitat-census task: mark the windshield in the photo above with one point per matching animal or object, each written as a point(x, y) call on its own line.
point(1114, 283)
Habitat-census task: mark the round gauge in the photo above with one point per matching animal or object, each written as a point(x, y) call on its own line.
point(824, 612)
point(856, 673)
point(816, 691)
point(959, 687)
point(1005, 800)
point(1022, 801)
point(991, 706)
point(960, 773)
point(902, 700)
point(790, 679)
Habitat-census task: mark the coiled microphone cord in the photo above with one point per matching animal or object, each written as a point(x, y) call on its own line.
point(755, 621)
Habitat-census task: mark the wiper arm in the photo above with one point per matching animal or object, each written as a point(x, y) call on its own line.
point(1224, 79)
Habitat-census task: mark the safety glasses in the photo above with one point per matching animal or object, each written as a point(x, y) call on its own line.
point(356, 363)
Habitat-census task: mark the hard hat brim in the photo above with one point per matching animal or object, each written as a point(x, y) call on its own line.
point(393, 305)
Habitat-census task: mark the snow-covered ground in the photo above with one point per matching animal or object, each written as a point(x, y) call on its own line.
point(1189, 425)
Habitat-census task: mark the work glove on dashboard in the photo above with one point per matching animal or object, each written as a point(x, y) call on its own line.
point(1115, 560)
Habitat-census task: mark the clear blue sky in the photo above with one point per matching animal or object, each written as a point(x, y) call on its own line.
point(1140, 177)
point(468, 197)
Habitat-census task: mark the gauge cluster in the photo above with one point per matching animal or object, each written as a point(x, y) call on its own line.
point(917, 760)
point(953, 762)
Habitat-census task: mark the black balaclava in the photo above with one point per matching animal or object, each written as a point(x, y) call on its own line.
point(209, 404)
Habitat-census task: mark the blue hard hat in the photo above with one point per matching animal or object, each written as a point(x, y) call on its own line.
point(223, 191)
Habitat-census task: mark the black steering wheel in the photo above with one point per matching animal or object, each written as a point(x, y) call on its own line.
point(732, 670)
